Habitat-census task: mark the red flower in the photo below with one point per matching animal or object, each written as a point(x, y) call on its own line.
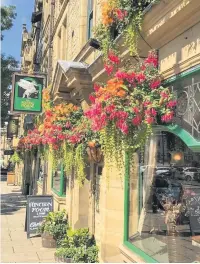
point(146, 103)
point(136, 110)
point(121, 75)
point(114, 58)
point(172, 104)
point(155, 84)
point(108, 68)
point(92, 98)
point(122, 126)
point(121, 14)
point(149, 119)
point(164, 95)
point(68, 124)
point(140, 77)
point(167, 117)
point(153, 112)
point(152, 59)
point(137, 120)
point(121, 114)
point(131, 77)
point(110, 108)
point(96, 87)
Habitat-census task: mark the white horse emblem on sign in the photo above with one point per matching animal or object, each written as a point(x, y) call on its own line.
point(29, 88)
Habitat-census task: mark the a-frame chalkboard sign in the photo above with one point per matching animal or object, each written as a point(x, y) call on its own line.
point(38, 206)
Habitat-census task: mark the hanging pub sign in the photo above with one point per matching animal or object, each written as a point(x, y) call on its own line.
point(27, 93)
point(12, 128)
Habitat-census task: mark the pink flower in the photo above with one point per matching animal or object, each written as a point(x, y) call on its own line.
point(152, 59)
point(114, 58)
point(153, 112)
point(108, 68)
point(167, 117)
point(121, 75)
point(131, 77)
point(121, 14)
point(140, 77)
point(121, 114)
point(146, 103)
point(149, 119)
point(155, 84)
point(110, 108)
point(143, 67)
point(136, 110)
point(92, 98)
point(96, 87)
point(137, 120)
point(122, 126)
point(172, 104)
point(164, 95)
point(68, 124)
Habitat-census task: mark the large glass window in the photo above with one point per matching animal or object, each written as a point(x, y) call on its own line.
point(164, 200)
point(59, 180)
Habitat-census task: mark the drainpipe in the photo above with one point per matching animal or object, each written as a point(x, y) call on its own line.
point(50, 40)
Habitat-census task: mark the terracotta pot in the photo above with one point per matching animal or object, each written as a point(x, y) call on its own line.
point(48, 241)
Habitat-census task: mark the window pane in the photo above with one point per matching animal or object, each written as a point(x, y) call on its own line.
point(57, 178)
point(65, 183)
point(90, 25)
point(164, 208)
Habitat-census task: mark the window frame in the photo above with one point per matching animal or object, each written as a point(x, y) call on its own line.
point(89, 18)
point(60, 193)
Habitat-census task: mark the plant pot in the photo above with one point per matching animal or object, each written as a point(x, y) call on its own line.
point(62, 259)
point(48, 241)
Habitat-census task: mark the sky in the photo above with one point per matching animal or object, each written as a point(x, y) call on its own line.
point(11, 44)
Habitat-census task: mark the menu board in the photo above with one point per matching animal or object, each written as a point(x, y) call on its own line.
point(37, 208)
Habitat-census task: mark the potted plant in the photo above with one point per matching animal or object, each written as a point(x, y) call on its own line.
point(53, 228)
point(79, 246)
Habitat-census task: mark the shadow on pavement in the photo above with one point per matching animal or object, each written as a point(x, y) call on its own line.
point(12, 202)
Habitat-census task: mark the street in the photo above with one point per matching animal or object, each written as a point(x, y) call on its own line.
point(15, 247)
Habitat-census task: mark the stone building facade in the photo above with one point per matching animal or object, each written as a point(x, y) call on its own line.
point(114, 212)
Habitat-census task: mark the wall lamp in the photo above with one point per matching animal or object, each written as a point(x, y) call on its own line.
point(94, 43)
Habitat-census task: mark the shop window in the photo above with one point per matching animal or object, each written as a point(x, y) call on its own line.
point(90, 18)
point(164, 201)
point(59, 180)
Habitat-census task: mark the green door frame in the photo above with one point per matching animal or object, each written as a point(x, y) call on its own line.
point(60, 192)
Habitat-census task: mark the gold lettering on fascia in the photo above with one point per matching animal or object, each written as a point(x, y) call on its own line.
point(169, 15)
point(168, 62)
point(191, 49)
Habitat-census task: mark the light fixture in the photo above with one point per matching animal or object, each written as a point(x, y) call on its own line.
point(95, 153)
point(94, 43)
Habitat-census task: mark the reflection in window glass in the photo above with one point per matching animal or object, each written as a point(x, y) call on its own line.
point(57, 178)
point(166, 186)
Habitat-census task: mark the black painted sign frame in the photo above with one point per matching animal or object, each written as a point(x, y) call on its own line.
point(44, 200)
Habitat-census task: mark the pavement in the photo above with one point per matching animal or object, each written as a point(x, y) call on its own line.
point(15, 246)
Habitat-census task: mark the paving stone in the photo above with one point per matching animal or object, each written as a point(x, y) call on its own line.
point(20, 258)
point(46, 255)
point(15, 247)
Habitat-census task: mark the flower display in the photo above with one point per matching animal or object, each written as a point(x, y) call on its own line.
point(131, 99)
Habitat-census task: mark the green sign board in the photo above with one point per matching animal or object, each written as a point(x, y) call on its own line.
point(27, 93)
